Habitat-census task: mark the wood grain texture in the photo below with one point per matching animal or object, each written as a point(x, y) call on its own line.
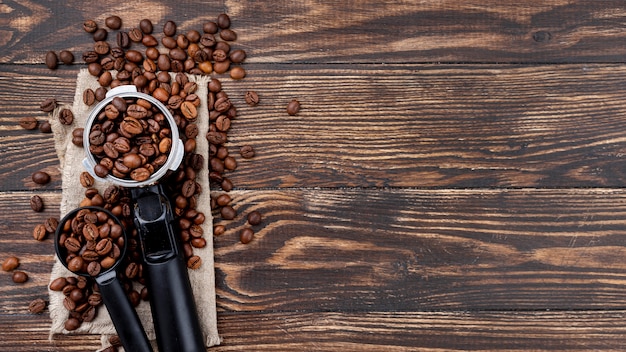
point(432, 126)
point(372, 331)
point(356, 32)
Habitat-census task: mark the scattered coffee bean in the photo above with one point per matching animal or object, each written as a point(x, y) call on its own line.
point(113, 22)
point(252, 98)
point(247, 152)
point(19, 277)
point(37, 306)
point(293, 107)
point(89, 97)
point(28, 123)
point(66, 57)
point(45, 127)
point(66, 117)
point(246, 235)
point(52, 60)
point(36, 203)
point(40, 177)
point(100, 34)
point(228, 212)
point(223, 21)
point(39, 232)
point(90, 26)
point(237, 72)
point(10, 264)
point(169, 28)
point(48, 105)
point(254, 218)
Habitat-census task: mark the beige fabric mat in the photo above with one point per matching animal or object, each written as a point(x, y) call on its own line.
point(70, 157)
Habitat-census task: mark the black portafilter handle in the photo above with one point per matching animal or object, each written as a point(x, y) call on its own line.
point(173, 307)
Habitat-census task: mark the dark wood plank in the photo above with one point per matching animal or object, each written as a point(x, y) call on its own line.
point(391, 250)
point(387, 126)
point(347, 32)
point(371, 331)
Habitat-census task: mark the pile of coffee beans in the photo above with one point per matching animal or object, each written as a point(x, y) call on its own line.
point(130, 139)
point(82, 299)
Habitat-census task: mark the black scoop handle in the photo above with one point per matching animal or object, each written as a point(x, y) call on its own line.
point(174, 310)
point(123, 314)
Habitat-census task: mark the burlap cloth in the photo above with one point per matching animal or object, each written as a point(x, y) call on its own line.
point(70, 157)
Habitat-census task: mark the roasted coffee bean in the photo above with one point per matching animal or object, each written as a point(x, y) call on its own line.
point(77, 136)
point(228, 212)
point(237, 72)
point(226, 184)
point(90, 57)
point(45, 127)
point(219, 230)
point(223, 21)
point(169, 28)
point(210, 27)
point(36, 203)
point(58, 284)
point(247, 152)
point(89, 314)
point(94, 268)
point(71, 324)
point(293, 107)
point(94, 299)
point(237, 56)
point(146, 26)
point(48, 105)
point(51, 224)
point(89, 97)
point(86, 180)
point(52, 60)
point(149, 40)
point(40, 177)
point(252, 98)
point(228, 35)
point(100, 34)
point(94, 69)
point(230, 163)
point(221, 67)
point(11, 263)
point(39, 232)
point(19, 277)
point(101, 47)
point(194, 262)
point(37, 306)
point(90, 26)
point(100, 93)
point(28, 123)
point(66, 57)
point(113, 22)
point(246, 235)
point(135, 35)
point(66, 117)
point(123, 40)
point(254, 218)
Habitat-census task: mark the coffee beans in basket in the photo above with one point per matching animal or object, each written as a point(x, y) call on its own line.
point(130, 139)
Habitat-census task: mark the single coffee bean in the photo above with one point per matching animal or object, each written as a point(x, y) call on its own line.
point(37, 306)
point(48, 105)
point(51, 224)
point(19, 277)
point(228, 35)
point(89, 314)
point(94, 299)
point(40, 177)
point(149, 40)
point(135, 35)
point(223, 21)
point(90, 26)
point(94, 268)
point(113, 22)
point(237, 56)
point(28, 123)
point(219, 230)
point(246, 235)
point(254, 218)
point(58, 284)
point(52, 60)
point(237, 72)
point(36, 203)
point(169, 28)
point(66, 117)
point(194, 262)
point(293, 107)
point(252, 98)
point(11, 263)
point(45, 127)
point(86, 180)
point(223, 200)
point(210, 27)
point(146, 26)
point(247, 152)
point(228, 212)
point(230, 163)
point(123, 40)
point(101, 47)
point(226, 184)
point(89, 97)
point(66, 57)
point(71, 324)
point(100, 34)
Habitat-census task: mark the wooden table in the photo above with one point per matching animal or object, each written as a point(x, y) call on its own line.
point(454, 180)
